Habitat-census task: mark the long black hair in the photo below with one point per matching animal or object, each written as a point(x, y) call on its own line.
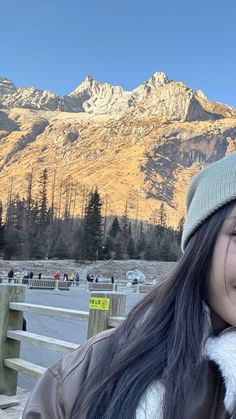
point(161, 338)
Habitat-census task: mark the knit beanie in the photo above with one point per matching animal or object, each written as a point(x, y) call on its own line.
point(210, 189)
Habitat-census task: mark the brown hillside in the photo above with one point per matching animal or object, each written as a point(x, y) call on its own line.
point(143, 156)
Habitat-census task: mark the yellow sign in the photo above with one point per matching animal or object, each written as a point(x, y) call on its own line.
point(97, 303)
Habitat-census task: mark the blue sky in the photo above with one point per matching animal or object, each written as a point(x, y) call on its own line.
point(55, 44)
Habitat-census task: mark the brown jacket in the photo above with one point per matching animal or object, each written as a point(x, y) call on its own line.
point(55, 393)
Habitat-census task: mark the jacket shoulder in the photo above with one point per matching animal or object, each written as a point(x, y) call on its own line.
point(55, 393)
point(81, 358)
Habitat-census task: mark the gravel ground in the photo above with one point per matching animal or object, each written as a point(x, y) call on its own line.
point(118, 268)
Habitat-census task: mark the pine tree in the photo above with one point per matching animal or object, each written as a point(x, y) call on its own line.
point(11, 244)
point(119, 246)
point(52, 208)
point(29, 198)
point(162, 216)
point(152, 250)
point(60, 249)
point(131, 248)
point(42, 201)
point(180, 229)
point(16, 232)
point(164, 248)
point(115, 228)
point(125, 221)
point(108, 247)
point(141, 244)
point(40, 242)
point(129, 231)
point(92, 237)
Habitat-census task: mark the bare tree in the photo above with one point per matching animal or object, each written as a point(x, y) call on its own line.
point(29, 190)
point(53, 196)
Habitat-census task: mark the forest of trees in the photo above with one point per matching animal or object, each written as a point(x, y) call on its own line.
point(30, 228)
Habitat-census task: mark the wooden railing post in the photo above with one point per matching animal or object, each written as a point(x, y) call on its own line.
point(9, 320)
point(103, 304)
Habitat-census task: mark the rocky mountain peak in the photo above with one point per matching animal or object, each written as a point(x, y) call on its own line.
point(96, 97)
point(6, 86)
point(201, 94)
point(89, 78)
point(87, 84)
point(158, 96)
point(158, 79)
point(93, 86)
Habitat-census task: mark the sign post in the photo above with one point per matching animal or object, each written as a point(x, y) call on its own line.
point(102, 305)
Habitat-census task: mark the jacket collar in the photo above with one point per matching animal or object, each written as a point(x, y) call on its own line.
point(221, 349)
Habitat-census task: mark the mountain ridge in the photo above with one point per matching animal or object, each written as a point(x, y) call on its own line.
point(172, 99)
point(141, 147)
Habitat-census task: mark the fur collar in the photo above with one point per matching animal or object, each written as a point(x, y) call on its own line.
point(222, 350)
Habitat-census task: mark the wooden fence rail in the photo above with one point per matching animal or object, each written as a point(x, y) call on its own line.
point(49, 311)
point(106, 309)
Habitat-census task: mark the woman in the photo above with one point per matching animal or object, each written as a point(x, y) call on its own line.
point(175, 355)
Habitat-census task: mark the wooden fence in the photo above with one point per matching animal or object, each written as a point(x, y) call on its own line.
point(106, 309)
point(49, 284)
point(52, 284)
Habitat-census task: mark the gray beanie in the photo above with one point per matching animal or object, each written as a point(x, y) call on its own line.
point(210, 189)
